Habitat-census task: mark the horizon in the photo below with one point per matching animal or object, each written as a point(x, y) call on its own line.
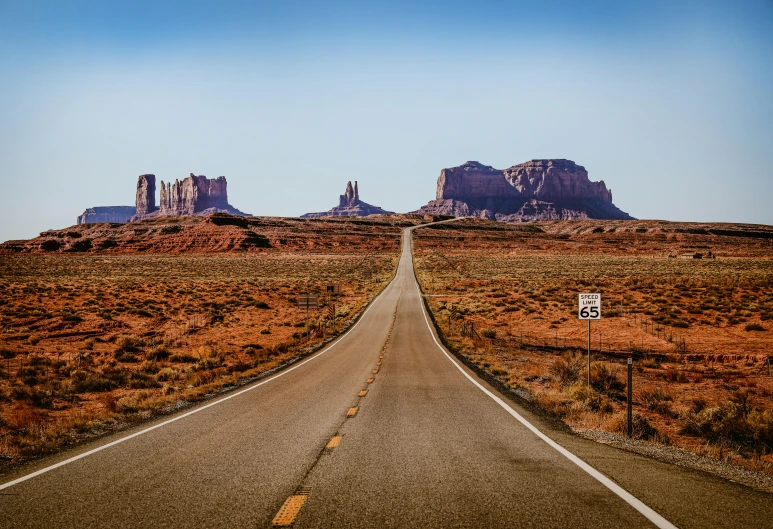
point(666, 103)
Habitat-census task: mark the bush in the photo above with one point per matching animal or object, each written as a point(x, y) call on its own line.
point(604, 379)
point(489, 333)
point(588, 396)
point(126, 357)
point(640, 426)
point(658, 401)
point(128, 343)
point(85, 383)
point(731, 422)
point(754, 327)
point(160, 352)
point(567, 369)
point(184, 358)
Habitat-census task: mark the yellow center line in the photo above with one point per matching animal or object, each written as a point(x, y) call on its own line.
point(334, 441)
point(363, 392)
point(370, 380)
point(374, 371)
point(352, 412)
point(289, 510)
point(378, 363)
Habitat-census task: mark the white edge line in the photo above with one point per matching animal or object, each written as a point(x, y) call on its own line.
point(629, 498)
point(196, 410)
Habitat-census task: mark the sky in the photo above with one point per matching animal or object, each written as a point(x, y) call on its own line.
point(669, 103)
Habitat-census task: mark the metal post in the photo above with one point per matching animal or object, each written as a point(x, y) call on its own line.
point(630, 397)
point(588, 353)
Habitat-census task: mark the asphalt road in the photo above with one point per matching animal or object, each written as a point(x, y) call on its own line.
point(429, 445)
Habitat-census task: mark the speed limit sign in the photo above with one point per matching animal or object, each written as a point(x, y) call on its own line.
point(589, 307)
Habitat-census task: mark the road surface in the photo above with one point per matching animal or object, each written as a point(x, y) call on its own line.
point(428, 445)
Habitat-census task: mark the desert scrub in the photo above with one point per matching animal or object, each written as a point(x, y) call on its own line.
point(641, 427)
point(567, 368)
point(658, 400)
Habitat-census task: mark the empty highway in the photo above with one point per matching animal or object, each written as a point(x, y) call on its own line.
point(382, 428)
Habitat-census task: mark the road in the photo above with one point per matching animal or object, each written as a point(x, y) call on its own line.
point(428, 445)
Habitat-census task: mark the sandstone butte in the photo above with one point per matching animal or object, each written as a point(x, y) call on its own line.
point(195, 195)
point(535, 190)
point(349, 205)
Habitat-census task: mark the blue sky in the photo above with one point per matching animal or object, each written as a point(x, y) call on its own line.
point(668, 102)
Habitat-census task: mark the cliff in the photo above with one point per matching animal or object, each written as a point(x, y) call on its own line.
point(349, 205)
point(535, 190)
point(106, 214)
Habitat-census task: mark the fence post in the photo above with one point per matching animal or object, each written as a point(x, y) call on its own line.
point(630, 396)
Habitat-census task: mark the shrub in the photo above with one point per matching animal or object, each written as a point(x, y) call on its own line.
point(640, 426)
point(160, 352)
point(168, 374)
point(184, 358)
point(126, 357)
point(754, 327)
point(141, 380)
point(489, 333)
point(85, 383)
point(604, 379)
point(128, 343)
point(567, 369)
point(658, 401)
point(588, 396)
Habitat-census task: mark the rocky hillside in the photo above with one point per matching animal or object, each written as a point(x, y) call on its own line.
point(535, 190)
point(219, 233)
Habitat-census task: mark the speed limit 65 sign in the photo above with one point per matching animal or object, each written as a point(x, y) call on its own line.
point(589, 307)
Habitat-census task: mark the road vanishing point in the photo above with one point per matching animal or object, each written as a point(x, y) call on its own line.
point(381, 428)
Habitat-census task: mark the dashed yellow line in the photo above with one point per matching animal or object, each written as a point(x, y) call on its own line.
point(334, 441)
point(363, 392)
point(352, 412)
point(289, 510)
point(370, 380)
point(374, 371)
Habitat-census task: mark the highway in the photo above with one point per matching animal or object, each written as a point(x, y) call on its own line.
point(428, 445)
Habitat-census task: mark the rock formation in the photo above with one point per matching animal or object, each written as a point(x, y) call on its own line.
point(146, 194)
point(349, 205)
point(113, 214)
point(535, 190)
point(195, 195)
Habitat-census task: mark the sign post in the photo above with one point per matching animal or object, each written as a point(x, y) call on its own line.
point(307, 301)
point(630, 396)
point(589, 308)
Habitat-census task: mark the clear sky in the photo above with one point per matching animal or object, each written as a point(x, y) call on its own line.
point(670, 103)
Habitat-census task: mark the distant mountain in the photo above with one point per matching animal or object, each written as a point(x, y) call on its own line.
point(349, 205)
point(536, 190)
